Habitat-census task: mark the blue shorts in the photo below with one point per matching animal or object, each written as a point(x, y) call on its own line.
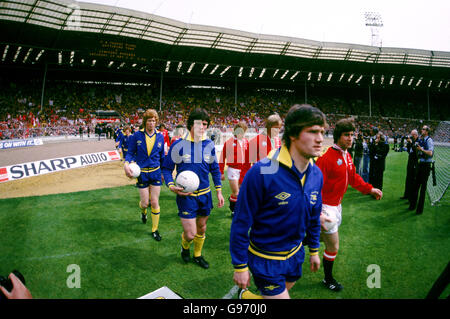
point(193, 206)
point(270, 275)
point(146, 179)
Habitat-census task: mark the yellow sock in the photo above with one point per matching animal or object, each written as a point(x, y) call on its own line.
point(155, 218)
point(198, 244)
point(247, 294)
point(186, 244)
point(143, 210)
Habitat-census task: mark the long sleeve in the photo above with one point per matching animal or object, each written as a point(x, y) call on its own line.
point(162, 155)
point(168, 165)
point(215, 170)
point(247, 205)
point(222, 158)
point(312, 239)
point(132, 148)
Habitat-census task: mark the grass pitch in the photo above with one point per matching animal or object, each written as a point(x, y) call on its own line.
point(101, 233)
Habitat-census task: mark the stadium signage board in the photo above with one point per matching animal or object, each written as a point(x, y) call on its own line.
point(111, 120)
point(24, 170)
point(20, 143)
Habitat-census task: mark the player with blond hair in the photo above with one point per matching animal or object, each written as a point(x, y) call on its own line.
point(146, 148)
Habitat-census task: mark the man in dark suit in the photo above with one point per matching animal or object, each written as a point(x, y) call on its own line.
point(411, 167)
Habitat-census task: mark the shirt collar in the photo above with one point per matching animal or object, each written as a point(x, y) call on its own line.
point(188, 137)
point(337, 147)
point(282, 156)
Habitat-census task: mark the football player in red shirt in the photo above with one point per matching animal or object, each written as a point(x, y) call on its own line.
point(235, 153)
point(165, 133)
point(338, 172)
point(269, 139)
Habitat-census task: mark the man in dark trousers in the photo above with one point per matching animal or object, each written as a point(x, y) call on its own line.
point(411, 167)
point(378, 151)
point(425, 153)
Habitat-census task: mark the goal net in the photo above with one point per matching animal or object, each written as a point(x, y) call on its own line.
point(438, 186)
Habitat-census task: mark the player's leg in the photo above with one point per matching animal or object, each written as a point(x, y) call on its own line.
point(234, 187)
point(415, 191)
point(187, 237)
point(155, 210)
point(331, 242)
point(233, 179)
point(199, 240)
point(143, 203)
point(423, 187)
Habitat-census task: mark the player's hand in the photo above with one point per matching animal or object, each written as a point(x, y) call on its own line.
point(220, 199)
point(178, 190)
point(324, 218)
point(242, 279)
point(127, 170)
point(314, 263)
point(19, 291)
point(376, 193)
point(222, 177)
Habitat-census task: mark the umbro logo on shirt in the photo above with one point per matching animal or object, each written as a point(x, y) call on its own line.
point(283, 196)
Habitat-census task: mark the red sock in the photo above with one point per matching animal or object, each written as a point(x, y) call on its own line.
point(329, 256)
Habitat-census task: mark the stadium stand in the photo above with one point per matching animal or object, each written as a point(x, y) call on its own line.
point(61, 61)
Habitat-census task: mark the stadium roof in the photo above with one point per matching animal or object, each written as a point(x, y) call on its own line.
point(76, 34)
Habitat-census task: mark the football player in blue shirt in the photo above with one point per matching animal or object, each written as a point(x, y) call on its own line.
point(195, 153)
point(146, 148)
point(280, 202)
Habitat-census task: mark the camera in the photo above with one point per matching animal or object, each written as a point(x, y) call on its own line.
point(6, 282)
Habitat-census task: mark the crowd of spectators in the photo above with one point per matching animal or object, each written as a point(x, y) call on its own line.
point(69, 105)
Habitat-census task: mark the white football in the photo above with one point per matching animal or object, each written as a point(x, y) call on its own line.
point(135, 169)
point(188, 180)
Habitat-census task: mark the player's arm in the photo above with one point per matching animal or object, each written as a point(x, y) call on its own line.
point(131, 155)
point(312, 239)
point(222, 159)
point(168, 166)
point(247, 205)
point(216, 175)
point(162, 153)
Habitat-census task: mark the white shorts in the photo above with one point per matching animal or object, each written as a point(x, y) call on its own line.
point(233, 173)
point(334, 212)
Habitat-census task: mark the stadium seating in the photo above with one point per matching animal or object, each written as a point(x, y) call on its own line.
point(68, 105)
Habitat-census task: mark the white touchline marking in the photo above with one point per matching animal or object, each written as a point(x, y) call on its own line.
point(231, 293)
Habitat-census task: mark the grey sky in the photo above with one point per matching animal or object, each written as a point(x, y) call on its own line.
point(416, 24)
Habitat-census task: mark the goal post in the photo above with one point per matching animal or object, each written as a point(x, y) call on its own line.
point(439, 180)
